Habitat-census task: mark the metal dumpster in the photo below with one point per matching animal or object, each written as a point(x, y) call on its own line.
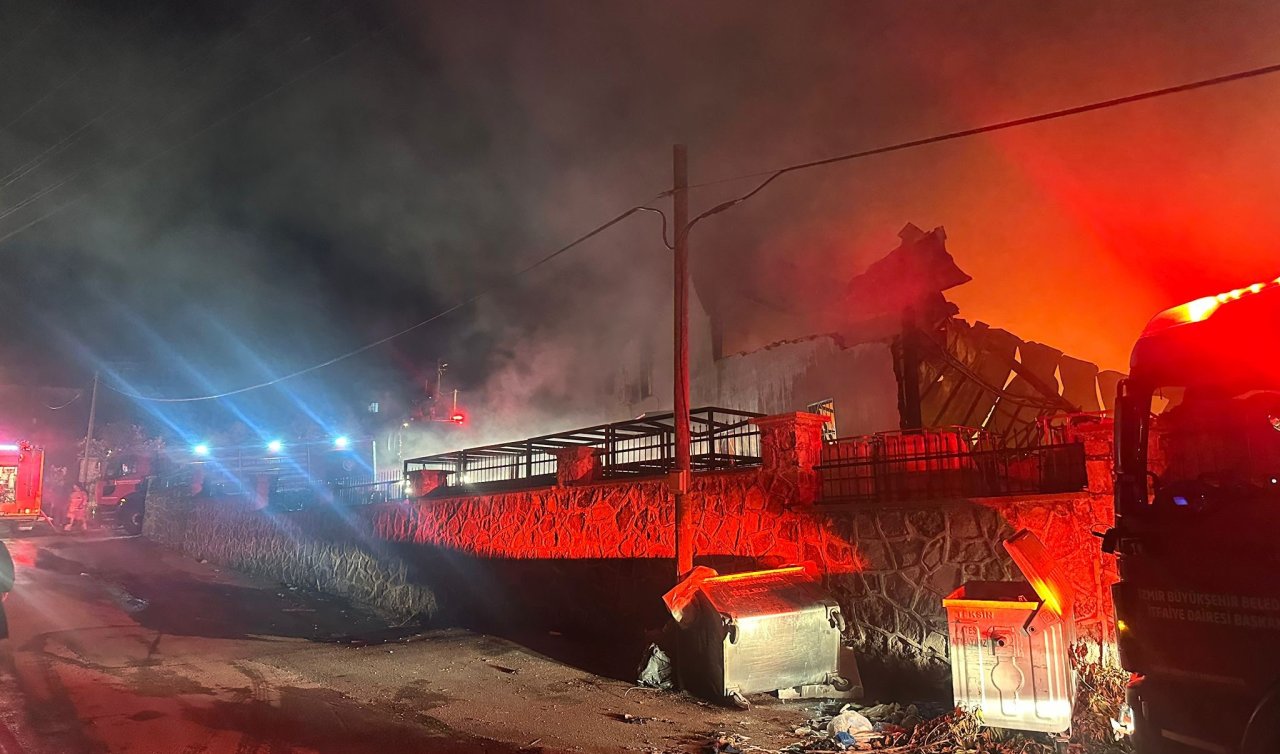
point(762, 631)
point(1011, 642)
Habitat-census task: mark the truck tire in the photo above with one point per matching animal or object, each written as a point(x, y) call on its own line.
point(133, 521)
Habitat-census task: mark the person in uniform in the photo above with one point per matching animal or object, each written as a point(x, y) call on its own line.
point(77, 508)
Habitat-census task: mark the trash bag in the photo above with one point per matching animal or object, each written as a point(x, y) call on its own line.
point(656, 671)
point(849, 722)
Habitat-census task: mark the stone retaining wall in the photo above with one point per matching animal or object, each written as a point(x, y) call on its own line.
point(603, 549)
point(329, 551)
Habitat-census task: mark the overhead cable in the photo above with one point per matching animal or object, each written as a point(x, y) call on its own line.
point(76, 135)
point(773, 175)
point(459, 305)
point(182, 143)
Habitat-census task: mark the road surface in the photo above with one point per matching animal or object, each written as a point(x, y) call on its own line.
point(119, 646)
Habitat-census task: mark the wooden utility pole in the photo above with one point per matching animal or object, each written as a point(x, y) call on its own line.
point(88, 435)
point(680, 475)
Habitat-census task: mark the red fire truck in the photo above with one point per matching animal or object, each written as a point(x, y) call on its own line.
point(21, 484)
point(1197, 530)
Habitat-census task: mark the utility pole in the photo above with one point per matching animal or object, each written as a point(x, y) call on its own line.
point(88, 435)
point(679, 479)
point(441, 366)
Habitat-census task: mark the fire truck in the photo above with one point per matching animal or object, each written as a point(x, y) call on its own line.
point(1197, 526)
point(21, 484)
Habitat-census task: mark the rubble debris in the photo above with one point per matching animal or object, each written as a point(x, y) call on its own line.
point(656, 671)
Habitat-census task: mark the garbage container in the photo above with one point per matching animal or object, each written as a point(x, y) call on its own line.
point(1011, 642)
point(762, 631)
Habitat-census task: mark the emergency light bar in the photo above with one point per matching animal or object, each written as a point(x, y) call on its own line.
point(1201, 309)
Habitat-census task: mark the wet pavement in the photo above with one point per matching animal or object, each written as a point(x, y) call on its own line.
point(119, 646)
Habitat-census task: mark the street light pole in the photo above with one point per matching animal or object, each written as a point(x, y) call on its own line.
point(679, 480)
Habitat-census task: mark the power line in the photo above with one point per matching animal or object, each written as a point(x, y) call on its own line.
point(773, 175)
point(13, 49)
point(68, 403)
point(179, 144)
point(42, 99)
point(663, 215)
point(381, 341)
point(73, 137)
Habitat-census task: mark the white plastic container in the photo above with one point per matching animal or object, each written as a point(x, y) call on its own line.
point(1011, 642)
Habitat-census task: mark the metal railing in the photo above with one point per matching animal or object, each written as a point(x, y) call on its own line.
point(720, 438)
point(388, 486)
point(944, 464)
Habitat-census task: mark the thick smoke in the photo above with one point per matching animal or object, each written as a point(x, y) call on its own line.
point(267, 184)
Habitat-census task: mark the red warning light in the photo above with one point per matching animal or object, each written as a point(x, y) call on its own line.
point(457, 418)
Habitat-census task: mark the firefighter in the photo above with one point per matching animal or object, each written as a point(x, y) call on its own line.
point(77, 508)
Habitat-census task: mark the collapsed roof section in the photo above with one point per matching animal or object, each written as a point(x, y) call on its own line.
point(969, 375)
point(982, 376)
point(750, 311)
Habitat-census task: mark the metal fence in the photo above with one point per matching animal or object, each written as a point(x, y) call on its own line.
point(287, 489)
point(387, 486)
point(720, 438)
point(943, 464)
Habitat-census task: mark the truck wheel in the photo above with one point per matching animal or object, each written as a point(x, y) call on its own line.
point(133, 521)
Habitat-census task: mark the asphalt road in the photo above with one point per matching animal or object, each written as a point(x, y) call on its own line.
point(119, 646)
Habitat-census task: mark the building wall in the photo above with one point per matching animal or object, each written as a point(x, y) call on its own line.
point(793, 376)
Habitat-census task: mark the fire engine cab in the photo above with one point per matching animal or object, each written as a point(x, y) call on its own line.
point(1197, 529)
point(21, 484)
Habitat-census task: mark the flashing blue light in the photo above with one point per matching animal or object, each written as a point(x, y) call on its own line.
point(201, 450)
point(275, 446)
point(341, 442)
point(1181, 501)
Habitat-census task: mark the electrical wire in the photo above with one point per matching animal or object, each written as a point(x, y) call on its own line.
point(193, 136)
point(13, 49)
point(663, 215)
point(381, 341)
point(773, 175)
point(74, 137)
point(68, 403)
point(42, 99)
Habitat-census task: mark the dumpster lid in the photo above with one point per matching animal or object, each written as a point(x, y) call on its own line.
point(755, 593)
point(1042, 571)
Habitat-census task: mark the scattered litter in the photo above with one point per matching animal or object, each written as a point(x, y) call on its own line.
point(849, 722)
point(655, 670)
point(725, 743)
point(627, 717)
point(844, 740)
point(503, 668)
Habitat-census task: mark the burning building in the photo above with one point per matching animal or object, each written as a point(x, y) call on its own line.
point(882, 351)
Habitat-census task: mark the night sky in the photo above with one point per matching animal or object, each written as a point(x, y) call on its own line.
point(198, 196)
